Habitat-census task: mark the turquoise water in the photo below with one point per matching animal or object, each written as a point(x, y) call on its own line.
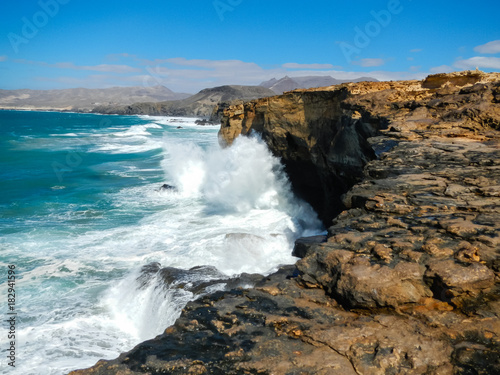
point(81, 212)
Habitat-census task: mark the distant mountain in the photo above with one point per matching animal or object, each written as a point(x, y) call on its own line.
point(84, 100)
point(198, 105)
point(286, 83)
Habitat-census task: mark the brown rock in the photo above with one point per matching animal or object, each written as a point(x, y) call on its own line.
point(459, 279)
point(364, 285)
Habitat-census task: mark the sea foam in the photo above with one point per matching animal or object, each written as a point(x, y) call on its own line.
point(83, 294)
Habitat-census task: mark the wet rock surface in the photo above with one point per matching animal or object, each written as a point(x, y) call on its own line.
point(405, 282)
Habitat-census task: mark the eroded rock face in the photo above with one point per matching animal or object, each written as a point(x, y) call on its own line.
point(407, 280)
point(321, 134)
point(408, 235)
point(322, 148)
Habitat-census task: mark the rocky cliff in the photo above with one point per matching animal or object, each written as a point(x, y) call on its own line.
point(407, 280)
point(321, 134)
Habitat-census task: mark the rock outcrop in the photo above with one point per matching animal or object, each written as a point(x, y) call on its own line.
point(407, 279)
point(321, 134)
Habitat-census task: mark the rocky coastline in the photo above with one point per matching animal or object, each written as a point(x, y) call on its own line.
point(406, 177)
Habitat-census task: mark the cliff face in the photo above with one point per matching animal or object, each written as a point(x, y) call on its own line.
point(322, 148)
point(407, 280)
point(321, 134)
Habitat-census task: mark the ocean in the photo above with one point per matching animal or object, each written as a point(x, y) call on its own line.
point(82, 213)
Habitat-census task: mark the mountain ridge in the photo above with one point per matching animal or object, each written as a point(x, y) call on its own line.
point(200, 104)
point(83, 99)
point(279, 86)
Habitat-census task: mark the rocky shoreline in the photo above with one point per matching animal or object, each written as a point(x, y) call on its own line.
point(407, 177)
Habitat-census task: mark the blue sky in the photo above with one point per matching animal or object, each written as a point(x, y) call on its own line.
point(190, 45)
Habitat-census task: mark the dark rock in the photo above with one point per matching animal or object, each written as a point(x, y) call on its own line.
point(303, 244)
point(168, 187)
point(195, 280)
point(206, 122)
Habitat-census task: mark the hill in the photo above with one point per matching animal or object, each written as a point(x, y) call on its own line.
point(83, 100)
point(200, 104)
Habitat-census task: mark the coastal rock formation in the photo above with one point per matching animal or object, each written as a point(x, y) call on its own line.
point(321, 134)
point(407, 279)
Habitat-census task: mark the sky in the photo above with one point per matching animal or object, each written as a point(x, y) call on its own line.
point(194, 44)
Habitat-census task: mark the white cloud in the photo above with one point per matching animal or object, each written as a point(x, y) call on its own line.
point(479, 62)
point(184, 75)
point(211, 64)
point(3, 58)
point(192, 81)
point(119, 69)
point(369, 62)
point(307, 66)
point(490, 47)
point(441, 69)
point(97, 68)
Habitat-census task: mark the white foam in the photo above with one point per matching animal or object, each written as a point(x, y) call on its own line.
point(232, 209)
point(135, 139)
point(134, 130)
point(143, 145)
point(144, 311)
point(64, 135)
point(175, 121)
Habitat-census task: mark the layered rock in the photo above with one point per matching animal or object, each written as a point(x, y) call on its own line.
point(407, 279)
point(321, 134)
